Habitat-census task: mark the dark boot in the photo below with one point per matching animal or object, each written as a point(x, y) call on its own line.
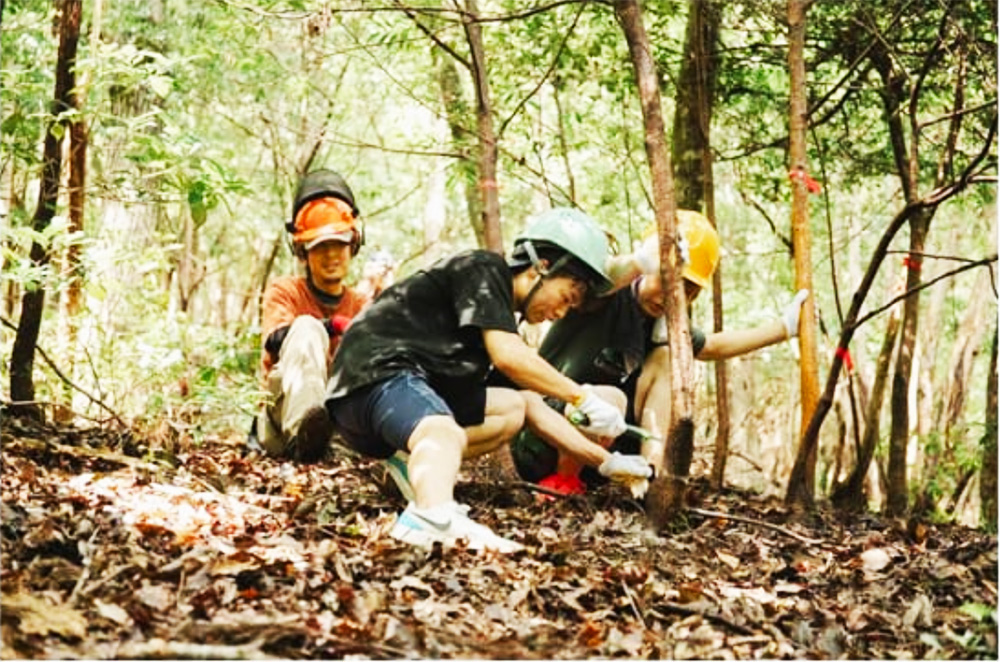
point(312, 441)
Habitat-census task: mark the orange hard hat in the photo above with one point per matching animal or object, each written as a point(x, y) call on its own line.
point(702, 246)
point(325, 219)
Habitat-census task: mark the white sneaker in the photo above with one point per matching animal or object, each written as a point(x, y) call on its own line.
point(396, 466)
point(447, 524)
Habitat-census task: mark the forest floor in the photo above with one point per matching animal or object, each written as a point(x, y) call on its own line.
point(113, 550)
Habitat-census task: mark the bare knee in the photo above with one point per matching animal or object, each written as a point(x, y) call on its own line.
point(511, 407)
point(613, 395)
point(441, 432)
point(532, 401)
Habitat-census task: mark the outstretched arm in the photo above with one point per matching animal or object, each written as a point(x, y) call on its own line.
point(727, 344)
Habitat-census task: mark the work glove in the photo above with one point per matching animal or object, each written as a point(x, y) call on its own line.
point(631, 470)
point(790, 316)
point(660, 334)
point(596, 416)
point(623, 467)
point(647, 256)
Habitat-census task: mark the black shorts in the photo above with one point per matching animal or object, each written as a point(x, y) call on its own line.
point(378, 420)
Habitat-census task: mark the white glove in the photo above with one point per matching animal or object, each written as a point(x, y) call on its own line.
point(647, 256)
point(632, 471)
point(625, 467)
point(602, 418)
point(790, 316)
point(661, 332)
point(684, 247)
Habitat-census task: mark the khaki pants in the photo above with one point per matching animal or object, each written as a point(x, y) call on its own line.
point(297, 383)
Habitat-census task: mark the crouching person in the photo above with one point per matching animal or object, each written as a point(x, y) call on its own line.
point(304, 316)
point(409, 382)
point(619, 342)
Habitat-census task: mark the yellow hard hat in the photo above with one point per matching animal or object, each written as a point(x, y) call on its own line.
point(702, 246)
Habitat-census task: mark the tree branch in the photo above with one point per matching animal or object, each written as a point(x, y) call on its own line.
point(67, 380)
point(913, 290)
point(433, 37)
point(548, 72)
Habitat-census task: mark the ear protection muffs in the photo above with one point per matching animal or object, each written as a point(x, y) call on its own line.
point(326, 183)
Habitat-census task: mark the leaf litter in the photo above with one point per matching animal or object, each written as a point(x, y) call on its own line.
point(220, 556)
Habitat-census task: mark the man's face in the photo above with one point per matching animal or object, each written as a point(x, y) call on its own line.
point(651, 295)
point(328, 264)
point(554, 298)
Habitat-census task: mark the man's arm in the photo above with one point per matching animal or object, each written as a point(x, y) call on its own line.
point(623, 269)
point(554, 429)
point(727, 344)
point(514, 358)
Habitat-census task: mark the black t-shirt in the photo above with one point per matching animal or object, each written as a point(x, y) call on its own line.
point(607, 343)
point(430, 323)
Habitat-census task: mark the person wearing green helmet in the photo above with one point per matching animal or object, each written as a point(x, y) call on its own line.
point(618, 344)
point(408, 383)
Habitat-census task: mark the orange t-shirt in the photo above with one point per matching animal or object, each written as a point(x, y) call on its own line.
point(289, 297)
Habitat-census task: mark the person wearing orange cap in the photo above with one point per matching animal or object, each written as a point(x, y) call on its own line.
point(620, 343)
point(304, 317)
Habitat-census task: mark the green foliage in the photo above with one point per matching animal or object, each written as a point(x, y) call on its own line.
point(26, 80)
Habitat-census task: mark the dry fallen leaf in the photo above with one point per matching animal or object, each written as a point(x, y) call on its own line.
point(875, 559)
point(37, 616)
point(919, 612)
point(112, 612)
point(728, 559)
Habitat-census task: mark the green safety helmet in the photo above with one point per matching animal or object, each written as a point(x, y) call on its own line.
point(573, 232)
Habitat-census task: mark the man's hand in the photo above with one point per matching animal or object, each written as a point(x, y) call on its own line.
point(647, 256)
point(599, 417)
point(790, 316)
point(625, 468)
point(632, 471)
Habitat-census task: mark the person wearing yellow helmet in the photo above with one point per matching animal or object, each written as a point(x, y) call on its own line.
point(303, 317)
point(409, 382)
point(620, 341)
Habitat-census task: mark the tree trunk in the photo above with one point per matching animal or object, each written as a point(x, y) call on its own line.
point(692, 158)
point(17, 209)
point(899, 434)
point(666, 496)
point(802, 483)
point(489, 193)
point(850, 495)
point(72, 299)
point(694, 99)
point(22, 384)
point(257, 295)
point(456, 110)
point(563, 146)
point(988, 476)
point(947, 184)
point(73, 294)
point(968, 342)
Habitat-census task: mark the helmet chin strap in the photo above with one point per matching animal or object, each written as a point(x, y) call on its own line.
point(543, 274)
